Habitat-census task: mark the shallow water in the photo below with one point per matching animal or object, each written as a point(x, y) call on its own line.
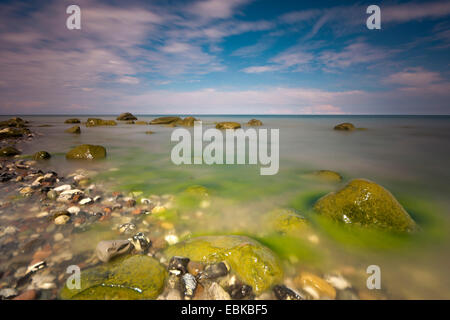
point(407, 155)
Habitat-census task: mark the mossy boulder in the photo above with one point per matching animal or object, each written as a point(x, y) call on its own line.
point(253, 263)
point(125, 278)
point(41, 155)
point(72, 120)
point(13, 122)
point(87, 152)
point(197, 190)
point(9, 152)
point(255, 123)
point(126, 116)
point(95, 122)
point(365, 203)
point(228, 125)
point(74, 130)
point(187, 122)
point(12, 132)
point(327, 176)
point(165, 120)
point(345, 127)
point(286, 221)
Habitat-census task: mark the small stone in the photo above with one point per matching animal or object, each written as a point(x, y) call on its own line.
point(27, 295)
point(127, 228)
point(8, 293)
point(74, 210)
point(41, 155)
point(108, 249)
point(58, 237)
point(52, 195)
point(215, 292)
point(213, 271)
point(171, 239)
point(195, 267)
point(178, 265)
point(189, 285)
point(62, 219)
point(85, 201)
point(284, 293)
point(62, 188)
point(317, 287)
point(140, 242)
point(240, 291)
point(337, 281)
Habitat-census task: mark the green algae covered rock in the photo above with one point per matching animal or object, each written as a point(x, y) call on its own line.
point(327, 176)
point(41, 155)
point(126, 278)
point(228, 125)
point(286, 221)
point(345, 127)
point(72, 120)
point(95, 122)
point(126, 117)
point(365, 203)
point(87, 152)
point(255, 123)
point(197, 190)
point(9, 152)
point(165, 120)
point(74, 129)
point(255, 264)
point(187, 122)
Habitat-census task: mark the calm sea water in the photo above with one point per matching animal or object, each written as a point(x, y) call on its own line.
point(409, 155)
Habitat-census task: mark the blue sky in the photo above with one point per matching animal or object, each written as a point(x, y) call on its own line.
point(225, 57)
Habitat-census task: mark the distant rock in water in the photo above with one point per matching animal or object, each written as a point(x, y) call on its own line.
point(72, 120)
point(345, 127)
point(126, 117)
point(255, 123)
point(187, 122)
point(87, 152)
point(74, 129)
point(327, 175)
point(165, 120)
point(41, 155)
point(228, 125)
point(13, 122)
point(94, 122)
point(365, 203)
point(140, 122)
point(12, 132)
point(9, 152)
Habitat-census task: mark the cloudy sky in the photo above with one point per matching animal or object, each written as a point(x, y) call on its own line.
point(224, 57)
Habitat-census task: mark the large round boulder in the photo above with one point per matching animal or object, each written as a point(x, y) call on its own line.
point(87, 152)
point(365, 203)
point(253, 263)
point(126, 117)
point(125, 278)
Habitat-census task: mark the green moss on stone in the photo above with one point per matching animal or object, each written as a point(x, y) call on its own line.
point(87, 152)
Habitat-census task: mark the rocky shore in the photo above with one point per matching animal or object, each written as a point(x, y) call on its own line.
point(144, 257)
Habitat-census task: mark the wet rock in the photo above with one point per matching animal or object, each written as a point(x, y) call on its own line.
point(213, 271)
point(255, 123)
point(61, 219)
point(74, 130)
point(140, 242)
point(85, 201)
point(126, 116)
point(189, 284)
point(178, 265)
point(108, 249)
point(317, 287)
point(286, 221)
point(95, 122)
point(72, 120)
point(52, 195)
point(228, 125)
point(74, 210)
point(327, 175)
point(215, 292)
point(69, 195)
point(284, 293)
point(255, 264)
point(345, 127)
point(44, 282)
point(87, 152)
point(127, 278)
point(365, 203)
point(9, 152)
point(8, 293)
point(337, 281)
point(41, 155)
point(165, 120)
point(194, 267)
point(240, 291)
point(62, 188)
point(127, 228)
point(12, 133)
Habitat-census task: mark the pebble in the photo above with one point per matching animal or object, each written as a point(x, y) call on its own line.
point(195, 267)
point(85, 201)
point(215, 292)
point(317, 287)
point(171, 239)
point(62, 219)
point(74, 210)
point(284, 293)
point(42, 282)
point(58, 237)
point(8, 293)
point(127, 228)
point(62, 188)
point(189, 285)
point(108, 249)
point(178, 265)
point(140, 242)
point(337, 281)
point(213, 271)
point(42, 214)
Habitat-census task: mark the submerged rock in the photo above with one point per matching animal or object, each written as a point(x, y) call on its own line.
point(317, 287)
point(94, 122)
point(7, 133)
point(327, 176)
point(41, 155)
point(9, 152)
point(74, 129)
point(255, 123)
point(228, 125)
point(126, 116)
point(345, 127)
point(365, 203)
point(13, 122)
point(87, 152)
point(140, 122)
point(286, 221)
point(72, 120)
point(255, 264)
point(126, 278)
point(165, 120)
point(108, 249)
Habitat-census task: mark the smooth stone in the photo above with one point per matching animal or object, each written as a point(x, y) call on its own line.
point(62, 188)
point(62, 219)
point(87, 152)
point(41, 155)
point(255, 123)
point(9, 152)
point(108, 249)
point(228, 125)
point(328, 175)
point(317, 287)
point(8, 293)
point(74, 130)
point(95, 122)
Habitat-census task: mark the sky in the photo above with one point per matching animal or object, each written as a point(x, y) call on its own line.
point(224, 57)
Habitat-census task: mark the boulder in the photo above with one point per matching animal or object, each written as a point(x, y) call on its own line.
point(345, 127)
point(13, 122)
point(255, 123)
point(41, 155)
point(286, 221)
point(124, 278)
point(254, 264)
point(12, 132)
point(165, 120)
point(87, 152)
point(187, 122)
point(72, 120)
point(365, 203)
point(74, 129)
point(228, 125)
point(126, 117)
point(95, 122)
point(9, 152)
